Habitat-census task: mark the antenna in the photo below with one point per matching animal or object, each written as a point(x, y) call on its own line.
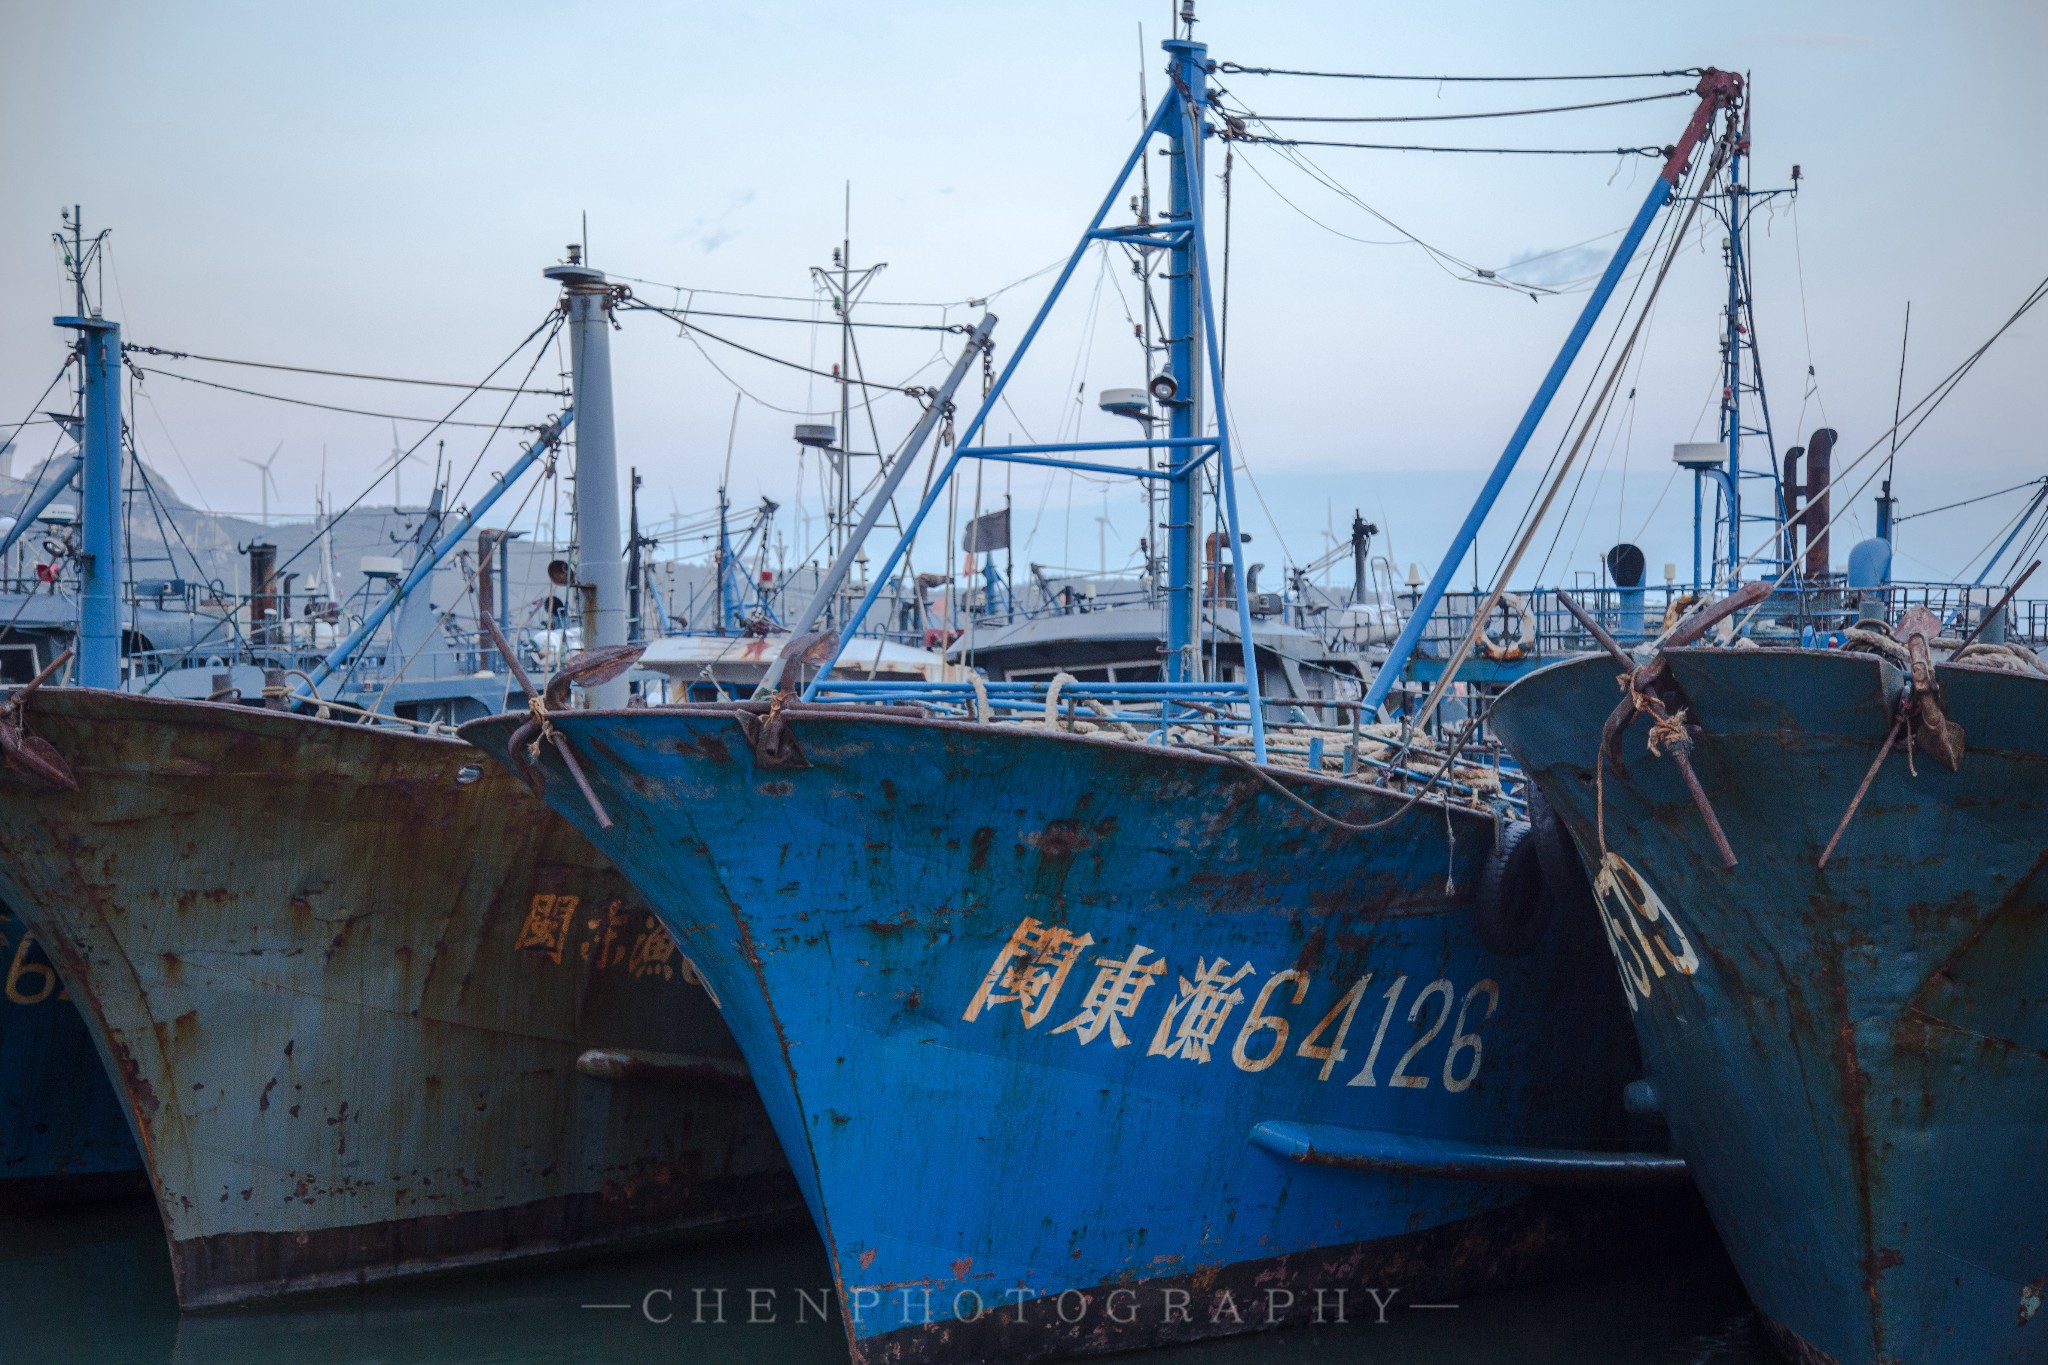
point(1898, 397)
point(846, 284)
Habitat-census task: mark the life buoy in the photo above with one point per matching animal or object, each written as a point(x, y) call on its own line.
point(1513, 641)
point(1675, 613)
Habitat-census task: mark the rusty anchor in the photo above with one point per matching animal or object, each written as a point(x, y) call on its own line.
point(1651, 690)
point(1920, 714)
point(26, 754)
point(770, 737)
point(1932, 729)
point(590, 668)
point(774, 743)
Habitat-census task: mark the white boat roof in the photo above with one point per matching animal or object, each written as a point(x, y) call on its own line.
point(745, 658)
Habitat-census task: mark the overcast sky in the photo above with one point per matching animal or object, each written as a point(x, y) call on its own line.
point(377, 187)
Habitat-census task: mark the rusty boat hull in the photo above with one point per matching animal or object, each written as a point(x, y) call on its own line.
point(1853, 1057)
point(1084, 1045)
point(372, 1009)
point(63, 1135)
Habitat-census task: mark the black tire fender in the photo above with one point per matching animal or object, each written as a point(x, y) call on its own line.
point(1570, 887)
point(1513, 909)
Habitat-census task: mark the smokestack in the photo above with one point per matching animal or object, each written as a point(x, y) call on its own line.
point(1818, 450)
point(486, 588)
point(262, 570)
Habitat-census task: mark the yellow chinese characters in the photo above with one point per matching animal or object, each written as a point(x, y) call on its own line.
point(1030, 970)
point(546, 928)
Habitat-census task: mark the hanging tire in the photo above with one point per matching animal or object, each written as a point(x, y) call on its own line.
point(1513, 909)
point(1563, 868)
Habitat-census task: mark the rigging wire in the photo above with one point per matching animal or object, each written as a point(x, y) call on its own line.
point(1981, 497)
point(1665, 243)
point(324, 407)
point(682, 320)
point(168, 354)
point(1931, 401)
point(719, 370)
point(1476, 151)
point(1234, 69)
point(775, 298)
point(35, 407)
point(1478, 114)
point(816, 322)
point(1455, 266)
point(1813, 393)
point(539, 354)
point(550, 324)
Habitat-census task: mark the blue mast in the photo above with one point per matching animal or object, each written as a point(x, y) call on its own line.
point(1180, 388)
point(1716, 89)
point(99, 607)
point(1731, 390)
point(1196, 362)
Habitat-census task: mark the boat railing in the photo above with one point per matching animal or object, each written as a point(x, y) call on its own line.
point(1531, 626)
point(1189, 715)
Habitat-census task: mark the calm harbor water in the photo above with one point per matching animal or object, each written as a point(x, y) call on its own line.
point(95, 1286)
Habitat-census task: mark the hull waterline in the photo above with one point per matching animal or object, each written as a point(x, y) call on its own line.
point(1080, 1045)
point(371, 1008)
point(1853, 1058)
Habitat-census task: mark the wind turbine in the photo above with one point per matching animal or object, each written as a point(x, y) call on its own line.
point(399, 456)
point(265, 485)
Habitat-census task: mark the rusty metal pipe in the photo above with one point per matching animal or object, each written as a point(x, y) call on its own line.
point(1884, 752)
point(1706, 807)
point(511, 659)
point(2003, 602)
point(1596, 630)
point(20, 698)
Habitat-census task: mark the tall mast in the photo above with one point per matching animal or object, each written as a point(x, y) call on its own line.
point(100, 567)
point(846, 284)
point(841, 511)
point(1180, 388)
point(600, 566)
point(1731, 390)
point(1742, 371)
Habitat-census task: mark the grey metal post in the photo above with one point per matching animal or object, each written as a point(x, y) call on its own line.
point(600, 550)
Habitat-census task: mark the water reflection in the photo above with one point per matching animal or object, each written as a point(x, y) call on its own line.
point(95, 1285)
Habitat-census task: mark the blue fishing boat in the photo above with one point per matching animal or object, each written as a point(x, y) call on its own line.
point(1095, 1015)
point(1822, 887)
point(1818, 867)
point(1848, 1047)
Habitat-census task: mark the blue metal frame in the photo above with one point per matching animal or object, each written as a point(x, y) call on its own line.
point(1193, 332)
point(39, 504)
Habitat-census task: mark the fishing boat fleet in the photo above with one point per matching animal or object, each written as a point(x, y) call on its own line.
point(1099, 966)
